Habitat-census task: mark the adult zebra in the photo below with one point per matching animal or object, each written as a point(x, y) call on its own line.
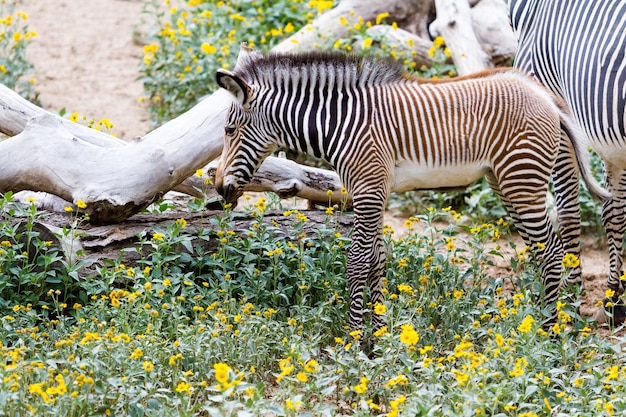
point(384, 131)
point(576, 49)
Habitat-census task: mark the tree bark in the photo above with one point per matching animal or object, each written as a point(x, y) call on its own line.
point(94, 244)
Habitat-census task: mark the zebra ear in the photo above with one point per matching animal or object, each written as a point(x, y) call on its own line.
point(237, 87)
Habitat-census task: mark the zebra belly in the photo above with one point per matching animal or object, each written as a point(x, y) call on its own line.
point(413, 176)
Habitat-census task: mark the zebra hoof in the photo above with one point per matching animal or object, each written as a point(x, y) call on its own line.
point(615, 310)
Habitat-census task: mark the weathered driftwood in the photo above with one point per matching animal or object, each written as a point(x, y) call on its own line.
point(454, 23)
point(477, 32)
point(94, 245)
point(493, 31)
point(327, 27)
point(116, 179)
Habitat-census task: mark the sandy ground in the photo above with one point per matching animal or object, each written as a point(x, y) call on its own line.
point(86, 60)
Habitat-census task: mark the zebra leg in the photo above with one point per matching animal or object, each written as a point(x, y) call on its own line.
point(375, 279)
point(566, 180)
point(532, 213)
point(614, 222)
point(366, 257)
point(493, 183)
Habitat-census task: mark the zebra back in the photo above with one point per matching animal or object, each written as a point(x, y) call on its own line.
point(577, 49)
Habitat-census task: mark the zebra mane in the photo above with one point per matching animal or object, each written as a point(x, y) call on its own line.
point(357, 69)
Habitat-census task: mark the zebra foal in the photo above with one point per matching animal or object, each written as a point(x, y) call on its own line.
point(385, 131)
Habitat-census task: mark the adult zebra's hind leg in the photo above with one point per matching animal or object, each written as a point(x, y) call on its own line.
point(614, 222)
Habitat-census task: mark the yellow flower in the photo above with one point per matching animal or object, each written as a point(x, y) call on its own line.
point(380, 17)
point(148, 366)
point(208, 48)
point(137, 353)
point(461, 377)
point(311, 366)
point(238, 17)
point(184, 387)
point(261, 205)
point(301, 376)
point(157, 236)
point(613, 373)
point(409, 336)
point(380, 309)
point(527, 324)
point(289, 28)
point(361, 388)
point(570, 261)
point(221, 372)
point(398, 380)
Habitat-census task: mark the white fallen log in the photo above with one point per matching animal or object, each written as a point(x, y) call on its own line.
point(454, 24)
point(491, 25)
point(117, 179)
point(114, 178)
point(327, 25)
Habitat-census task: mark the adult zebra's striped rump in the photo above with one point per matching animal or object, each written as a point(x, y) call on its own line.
point(383, 130)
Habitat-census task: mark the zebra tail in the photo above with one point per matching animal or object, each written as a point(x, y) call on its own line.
point(579, 143)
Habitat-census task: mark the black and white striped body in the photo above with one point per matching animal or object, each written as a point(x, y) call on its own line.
point(383, 131)
point(577, 49)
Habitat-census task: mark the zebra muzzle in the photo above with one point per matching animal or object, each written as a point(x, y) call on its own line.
point(229, 192)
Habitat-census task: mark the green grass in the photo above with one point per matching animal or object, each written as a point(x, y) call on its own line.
point(257, 327)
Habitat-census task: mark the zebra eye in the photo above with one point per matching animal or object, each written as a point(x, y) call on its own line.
point(230, 130)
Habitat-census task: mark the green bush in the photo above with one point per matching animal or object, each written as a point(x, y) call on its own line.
point(195, 39)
